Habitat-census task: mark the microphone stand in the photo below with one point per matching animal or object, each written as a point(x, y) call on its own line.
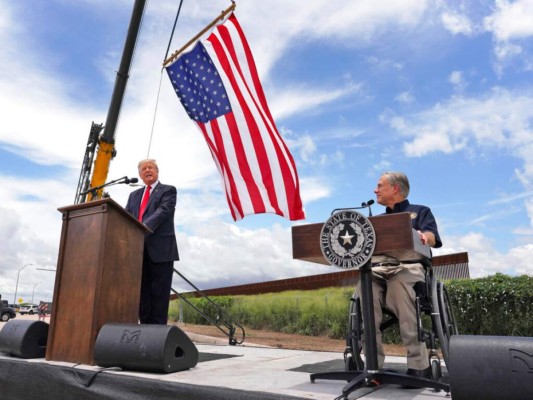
point(93, 190)
point(363, 205)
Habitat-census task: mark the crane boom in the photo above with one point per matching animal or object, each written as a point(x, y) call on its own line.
point(106, 142)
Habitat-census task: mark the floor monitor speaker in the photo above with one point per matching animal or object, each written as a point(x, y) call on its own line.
point(24, 338)
point(491, 367)
point(150, 348)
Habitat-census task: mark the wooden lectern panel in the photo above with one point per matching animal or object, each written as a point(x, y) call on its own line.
point(98, 277)
point(395, 238)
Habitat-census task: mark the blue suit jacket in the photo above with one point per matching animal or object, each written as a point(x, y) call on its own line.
point(159, 217)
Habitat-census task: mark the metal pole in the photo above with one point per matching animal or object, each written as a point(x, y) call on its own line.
point(17, 285)
point(106, 142)
point(123, 72)
point(368, 317)
point(32, 293)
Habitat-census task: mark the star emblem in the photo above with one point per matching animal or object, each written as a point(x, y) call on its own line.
point(347, 237)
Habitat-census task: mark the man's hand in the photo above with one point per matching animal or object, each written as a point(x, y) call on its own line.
point(427, 238)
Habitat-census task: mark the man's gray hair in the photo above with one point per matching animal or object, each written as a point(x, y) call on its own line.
point(400, 179)
point(146, 161)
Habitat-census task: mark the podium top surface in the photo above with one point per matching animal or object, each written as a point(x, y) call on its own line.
point(99, 206)
point(395, 238)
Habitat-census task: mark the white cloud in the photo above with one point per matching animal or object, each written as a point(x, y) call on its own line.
point(405, 97)
point(485, 260)
point(349, 19)
point(529, 208)
point(502, 120)
point(506, 50)
point(307, 148)
point(511, 20)
point(456, 78)
point(510, 25)
point(293, 100)
point(225, 255)
point(512, 197)
point(457, 23)
point(25, 241)
point(519, 259)
point(314, 188)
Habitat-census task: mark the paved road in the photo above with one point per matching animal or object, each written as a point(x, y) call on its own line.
point(34, 317)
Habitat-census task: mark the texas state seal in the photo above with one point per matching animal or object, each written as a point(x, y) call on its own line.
point(347, 240)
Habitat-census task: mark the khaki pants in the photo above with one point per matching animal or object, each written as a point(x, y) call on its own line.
point(392, 287)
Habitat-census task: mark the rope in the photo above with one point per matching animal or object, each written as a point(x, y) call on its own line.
point(161, 80)
point(155, 114)
point(173, 29)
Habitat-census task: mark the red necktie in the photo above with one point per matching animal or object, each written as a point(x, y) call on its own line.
point(144, 202)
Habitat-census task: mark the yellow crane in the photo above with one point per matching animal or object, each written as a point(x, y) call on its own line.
point(102, 145)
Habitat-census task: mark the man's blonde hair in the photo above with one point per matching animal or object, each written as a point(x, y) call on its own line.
point(146, 161)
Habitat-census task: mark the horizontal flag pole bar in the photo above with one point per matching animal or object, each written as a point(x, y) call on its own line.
point(194, 39)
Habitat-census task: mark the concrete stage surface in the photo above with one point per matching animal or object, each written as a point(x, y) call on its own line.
point(224, 372)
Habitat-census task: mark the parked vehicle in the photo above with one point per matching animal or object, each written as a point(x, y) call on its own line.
point(6, 313)
point(28, 309)
point(15, 307)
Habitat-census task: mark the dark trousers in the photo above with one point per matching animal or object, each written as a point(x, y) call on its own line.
point(155, 291)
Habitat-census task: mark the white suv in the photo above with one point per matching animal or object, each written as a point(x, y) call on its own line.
point(29, 309)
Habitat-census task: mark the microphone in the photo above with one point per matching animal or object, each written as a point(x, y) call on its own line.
point(124, 179)
point(367, 204)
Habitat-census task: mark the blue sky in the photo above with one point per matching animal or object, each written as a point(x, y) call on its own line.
point(440, 90)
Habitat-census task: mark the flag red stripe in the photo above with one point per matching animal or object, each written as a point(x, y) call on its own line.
point(251, 63)
point(256, 135)
point(216, 146)
point(286, 163)
point(252, 125)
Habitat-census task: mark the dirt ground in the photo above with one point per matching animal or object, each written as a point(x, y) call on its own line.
point(267, 338)
point(284, 340)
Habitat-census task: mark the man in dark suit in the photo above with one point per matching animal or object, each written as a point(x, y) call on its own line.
point(154, 206)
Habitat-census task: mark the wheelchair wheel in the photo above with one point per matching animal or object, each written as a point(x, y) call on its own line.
point(436, 319)
point(446, 312)
point(354, 360)
point(436, 371)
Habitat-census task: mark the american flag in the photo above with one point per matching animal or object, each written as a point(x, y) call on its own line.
point(219, 87)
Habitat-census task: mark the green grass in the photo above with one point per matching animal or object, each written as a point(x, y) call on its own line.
point(497, 305)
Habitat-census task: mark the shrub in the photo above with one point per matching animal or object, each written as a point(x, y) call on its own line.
point(497, 305)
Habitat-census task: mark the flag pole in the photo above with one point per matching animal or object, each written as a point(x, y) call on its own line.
point(221, 16)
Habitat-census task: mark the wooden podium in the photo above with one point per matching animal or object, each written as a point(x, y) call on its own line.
point(395, 238)
point(98, 277)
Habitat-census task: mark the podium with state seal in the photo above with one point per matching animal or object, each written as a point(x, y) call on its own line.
point(349, 240)
point(394, 237)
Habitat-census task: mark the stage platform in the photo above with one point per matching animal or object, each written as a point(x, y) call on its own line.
point(224, 372)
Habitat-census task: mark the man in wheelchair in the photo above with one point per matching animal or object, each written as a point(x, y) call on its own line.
point(393, 282)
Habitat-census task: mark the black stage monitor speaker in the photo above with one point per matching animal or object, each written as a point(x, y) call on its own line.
point(150, 348)
point(24, 338)
point(491, 367)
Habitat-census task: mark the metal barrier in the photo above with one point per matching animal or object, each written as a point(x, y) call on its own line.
point(223, 321)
